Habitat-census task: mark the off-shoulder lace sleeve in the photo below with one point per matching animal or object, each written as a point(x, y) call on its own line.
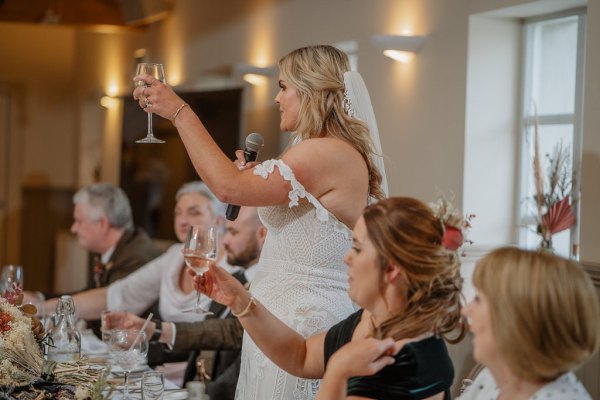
point(298, 191)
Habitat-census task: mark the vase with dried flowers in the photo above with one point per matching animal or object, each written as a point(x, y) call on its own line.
point(553, 194)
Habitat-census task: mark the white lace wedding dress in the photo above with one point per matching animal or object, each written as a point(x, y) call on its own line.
point(302, 280)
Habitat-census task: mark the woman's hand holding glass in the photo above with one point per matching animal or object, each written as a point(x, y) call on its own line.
point(222, 287)
point(155, 92)
point(199, 252)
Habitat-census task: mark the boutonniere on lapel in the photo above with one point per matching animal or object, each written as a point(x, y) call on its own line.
point(99, 271)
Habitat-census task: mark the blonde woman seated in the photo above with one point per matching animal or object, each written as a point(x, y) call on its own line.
point(408, 286)
point(535, 319)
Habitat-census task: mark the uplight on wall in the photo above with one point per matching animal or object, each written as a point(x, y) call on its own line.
point(398, 47)
point(256, 76)
point(109, 102)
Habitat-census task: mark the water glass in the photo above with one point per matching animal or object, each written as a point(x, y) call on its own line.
point(196, 390)
point(11, 274)
point(153, 385)
point(103, 327)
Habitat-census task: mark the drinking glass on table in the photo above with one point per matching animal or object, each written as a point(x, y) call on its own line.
point(128, 348)
point(157, 72)
point(11, 274)
point(153, 385)
point(103, 327)
point(199, 251)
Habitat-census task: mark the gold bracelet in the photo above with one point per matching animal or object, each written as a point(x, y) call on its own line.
point(176, 113)
point(246, 311)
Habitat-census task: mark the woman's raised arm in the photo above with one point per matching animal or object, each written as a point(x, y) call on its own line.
point(284, 346)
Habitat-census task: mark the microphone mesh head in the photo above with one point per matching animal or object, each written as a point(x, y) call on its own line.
point(254, 142)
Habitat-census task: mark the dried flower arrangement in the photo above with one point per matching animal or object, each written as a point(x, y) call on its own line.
point(24, 374)
point(554, 212)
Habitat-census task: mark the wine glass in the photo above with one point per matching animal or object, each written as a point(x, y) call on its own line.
point(128, 348)
point(156, 71)
point(11, 274)
point(199, 251)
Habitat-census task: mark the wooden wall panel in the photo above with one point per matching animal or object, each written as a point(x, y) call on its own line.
point(46, 211)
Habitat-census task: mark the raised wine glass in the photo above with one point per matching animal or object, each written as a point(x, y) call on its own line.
point(128, 348)
point(199, 251)
point(156, 71)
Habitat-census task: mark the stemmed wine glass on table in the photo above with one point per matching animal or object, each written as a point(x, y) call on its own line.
point(128, 348)
point(199, 251)
point(157, 72)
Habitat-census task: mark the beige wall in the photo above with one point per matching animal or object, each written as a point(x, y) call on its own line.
point(59, 74)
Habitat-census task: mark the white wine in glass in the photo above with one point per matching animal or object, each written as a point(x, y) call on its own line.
point(157, 72)
point(199, 251)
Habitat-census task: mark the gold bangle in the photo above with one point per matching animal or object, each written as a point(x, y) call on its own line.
point(176, 113)
point(246, 310)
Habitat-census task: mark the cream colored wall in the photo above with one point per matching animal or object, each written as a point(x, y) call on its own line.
point(59, 74)
point(420, 106)
point(39, 69)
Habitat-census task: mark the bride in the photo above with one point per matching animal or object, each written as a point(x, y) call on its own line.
point(310, 198)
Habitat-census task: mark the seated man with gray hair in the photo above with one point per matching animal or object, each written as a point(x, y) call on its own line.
point(104, 226)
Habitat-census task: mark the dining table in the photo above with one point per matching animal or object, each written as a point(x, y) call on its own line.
point(96, 353)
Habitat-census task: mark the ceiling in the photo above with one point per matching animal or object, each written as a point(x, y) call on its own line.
point(64, 12)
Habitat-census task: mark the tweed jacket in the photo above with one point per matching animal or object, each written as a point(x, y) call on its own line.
point(134, 249)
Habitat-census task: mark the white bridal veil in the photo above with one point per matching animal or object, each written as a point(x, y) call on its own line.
point(358, 105)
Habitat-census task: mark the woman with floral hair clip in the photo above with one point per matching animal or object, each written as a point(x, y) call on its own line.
point(408, 286)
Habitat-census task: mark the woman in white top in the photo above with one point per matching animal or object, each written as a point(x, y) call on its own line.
point(309, 199)
point(534, 319)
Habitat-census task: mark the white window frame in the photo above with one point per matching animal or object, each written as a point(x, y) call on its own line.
point(525, 220)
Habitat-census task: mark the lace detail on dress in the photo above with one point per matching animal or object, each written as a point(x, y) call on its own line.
point(301, 279)
point(298, 191)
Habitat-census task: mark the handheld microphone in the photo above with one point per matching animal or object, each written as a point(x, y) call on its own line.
point(254, 142)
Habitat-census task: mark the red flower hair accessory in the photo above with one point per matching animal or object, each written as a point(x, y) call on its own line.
point(455, 226)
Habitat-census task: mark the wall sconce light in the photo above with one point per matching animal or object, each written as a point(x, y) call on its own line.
point(109, 102)
point(397, 47)
point(255, 76)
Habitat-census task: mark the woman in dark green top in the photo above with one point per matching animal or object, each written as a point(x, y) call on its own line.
point(408, 286)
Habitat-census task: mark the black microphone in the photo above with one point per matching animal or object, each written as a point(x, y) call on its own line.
point(254, 142)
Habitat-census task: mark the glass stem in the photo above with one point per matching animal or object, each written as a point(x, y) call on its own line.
point(198, 298)
point(150, 132)
point(126, 381)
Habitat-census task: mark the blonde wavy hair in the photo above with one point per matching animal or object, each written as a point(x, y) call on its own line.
point(544, 311)
point(317, 74)
point(405, 233)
